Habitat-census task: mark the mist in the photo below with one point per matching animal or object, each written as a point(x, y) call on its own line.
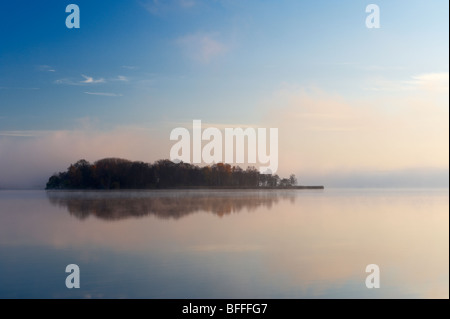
point(28, 159)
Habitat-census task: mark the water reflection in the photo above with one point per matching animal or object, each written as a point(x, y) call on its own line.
point(298, 244)
point(164, 205)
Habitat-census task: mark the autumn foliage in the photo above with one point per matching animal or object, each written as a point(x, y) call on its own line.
point(115, 173)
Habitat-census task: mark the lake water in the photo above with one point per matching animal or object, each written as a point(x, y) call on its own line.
point(225, 244)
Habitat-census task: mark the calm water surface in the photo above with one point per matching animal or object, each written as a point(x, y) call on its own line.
point(225, 244)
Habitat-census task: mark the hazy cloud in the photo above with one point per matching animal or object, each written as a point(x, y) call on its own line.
point(103, 94)
point(154, 7)
point(129, 67)
point(187, 3)
point(202, 47)
point(322, 133)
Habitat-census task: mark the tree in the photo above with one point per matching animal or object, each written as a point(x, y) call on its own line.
point(292, 180)
point(116, 173)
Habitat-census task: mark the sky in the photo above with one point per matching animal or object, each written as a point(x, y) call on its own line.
point(355, 107)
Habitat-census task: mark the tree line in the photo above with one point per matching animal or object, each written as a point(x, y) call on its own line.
point(116, 173)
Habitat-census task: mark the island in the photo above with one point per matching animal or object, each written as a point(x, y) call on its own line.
point(117, 173)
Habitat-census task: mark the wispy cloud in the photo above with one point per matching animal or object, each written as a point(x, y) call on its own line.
point(89, 79)
point(103, 93)
point(45, 68)
point(66, 81)
point(121, 78)
point(202, 47)
point(380, 68)
point(431, 82)
point(205, 124)
point(158, 7)
point(17, 88)
point(19, 133)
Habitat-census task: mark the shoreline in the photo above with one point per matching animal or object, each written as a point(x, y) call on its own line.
point(313, 187)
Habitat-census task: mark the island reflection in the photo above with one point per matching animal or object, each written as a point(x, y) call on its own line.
point(118, 205)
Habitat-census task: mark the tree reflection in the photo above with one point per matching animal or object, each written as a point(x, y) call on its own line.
point(111, 205)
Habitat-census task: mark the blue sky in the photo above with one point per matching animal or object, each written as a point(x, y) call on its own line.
point(150, 64)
